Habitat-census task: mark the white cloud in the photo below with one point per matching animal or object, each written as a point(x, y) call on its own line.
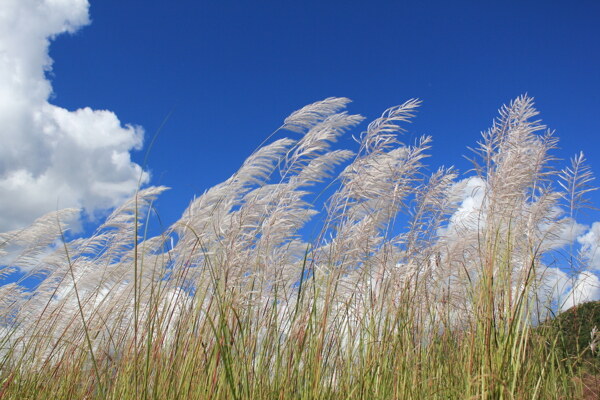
point(585, 288)
point(558, 288)
point(554, 285)
point(470, 193)
point(590, 246)
point(566, 290)
point(50, 157)
point(561, 233)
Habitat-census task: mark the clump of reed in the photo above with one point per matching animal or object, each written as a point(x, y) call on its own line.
point(417, 284)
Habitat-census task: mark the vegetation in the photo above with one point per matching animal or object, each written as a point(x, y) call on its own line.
point(417, 285)
point(578, 344)
point(579, 329)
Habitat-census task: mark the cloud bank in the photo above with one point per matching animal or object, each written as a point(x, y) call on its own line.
point(556, 287)
point(51, 157)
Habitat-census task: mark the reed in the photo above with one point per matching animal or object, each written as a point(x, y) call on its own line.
point(416, 284)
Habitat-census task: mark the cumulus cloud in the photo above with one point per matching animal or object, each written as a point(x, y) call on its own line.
point(590, 243)
point(470, 194)
point(585, 288)
point(51, 157)
point(561, 234)
point(554, 285)
point(568, 291)
point(558, 287)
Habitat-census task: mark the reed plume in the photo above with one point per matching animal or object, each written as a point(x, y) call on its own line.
point(239, 299)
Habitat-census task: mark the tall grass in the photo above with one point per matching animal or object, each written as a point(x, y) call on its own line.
point(416, 285)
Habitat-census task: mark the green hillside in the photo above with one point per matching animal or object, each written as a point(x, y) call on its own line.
point(575, 326)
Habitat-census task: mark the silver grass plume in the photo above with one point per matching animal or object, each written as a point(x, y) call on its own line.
point(392, 236)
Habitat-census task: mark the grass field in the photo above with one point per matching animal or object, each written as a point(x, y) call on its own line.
point(415, 285)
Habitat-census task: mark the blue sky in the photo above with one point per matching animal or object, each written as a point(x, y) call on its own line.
point(84, 87)
point(230, 71)
point(227, 73)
